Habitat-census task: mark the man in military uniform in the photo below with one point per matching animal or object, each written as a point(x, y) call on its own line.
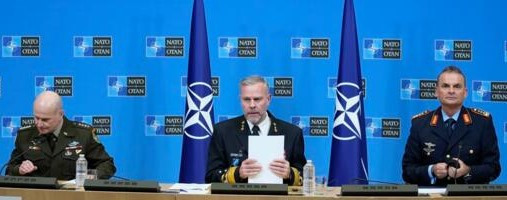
point(452, 144)
point(52, 145)
point(228, 159)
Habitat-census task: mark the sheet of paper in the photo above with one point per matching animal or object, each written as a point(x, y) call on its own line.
point(190, 188)
point(265, 149)
point(428, 191)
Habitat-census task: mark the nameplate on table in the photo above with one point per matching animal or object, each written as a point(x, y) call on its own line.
point(379, 190)
point(28, 182)
point(249, 188)
point(126, 186)
point(476, 190)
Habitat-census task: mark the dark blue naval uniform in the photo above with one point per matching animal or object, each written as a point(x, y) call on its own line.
point(229, 148)
point(473, 141)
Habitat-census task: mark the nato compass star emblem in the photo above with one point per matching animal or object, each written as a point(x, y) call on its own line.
point(198, 121)
point(348, 109)
point(481, 91)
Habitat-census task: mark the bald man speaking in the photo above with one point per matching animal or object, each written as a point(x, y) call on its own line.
point(51, 146)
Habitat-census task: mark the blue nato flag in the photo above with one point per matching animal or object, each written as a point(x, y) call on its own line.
point(349, 161)
point(198, 125)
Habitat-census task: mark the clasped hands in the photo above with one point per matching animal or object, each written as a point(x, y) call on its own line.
point(442, 170)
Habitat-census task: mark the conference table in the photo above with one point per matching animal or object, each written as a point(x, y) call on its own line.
point(66, 194)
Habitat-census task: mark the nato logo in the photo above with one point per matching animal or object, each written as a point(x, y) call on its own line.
point(382, 127)
point(158, 125)
point(449, 50)
point(101, 123)
point(382, 49)
point(20, 46)
point(90, 46)
point(309, 48)
point(412, 89)
point(484, 91)
point(11, 125)
point(62, 85)
point(331, 87)
point(164, 47)
point(280, 86)
point(125, 86)
point(235, 47)
point(312, 125)
point(215, 86)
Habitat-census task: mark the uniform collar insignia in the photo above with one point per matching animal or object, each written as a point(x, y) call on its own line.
point(466, 118)
point(242, 125)
point(434, 119)
point(274, 127)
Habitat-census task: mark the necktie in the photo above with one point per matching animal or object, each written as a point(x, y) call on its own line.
point(255, 130)
point(51, 138)
point(450, 124)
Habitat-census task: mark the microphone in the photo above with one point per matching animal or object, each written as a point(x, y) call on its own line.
point(121, 178)
point(452, 162)
point(36, 141)
point(358, 180)
point(455, 164)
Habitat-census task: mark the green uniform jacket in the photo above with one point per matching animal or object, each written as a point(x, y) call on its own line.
point(75, 138)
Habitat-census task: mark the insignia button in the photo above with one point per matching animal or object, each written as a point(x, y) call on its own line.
point(448, 156)
point(471, 151)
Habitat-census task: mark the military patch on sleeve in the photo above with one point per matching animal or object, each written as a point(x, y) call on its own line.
point(420, 114)
point(480, 112)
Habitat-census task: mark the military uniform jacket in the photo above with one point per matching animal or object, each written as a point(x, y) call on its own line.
point(229, 148)
point(473, 141)
point(75, 138)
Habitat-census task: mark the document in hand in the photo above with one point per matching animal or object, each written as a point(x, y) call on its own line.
point(265, 149)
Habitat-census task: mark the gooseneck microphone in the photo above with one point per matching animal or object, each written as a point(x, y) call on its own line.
point(121, 178)
point(457, 165)
point(35, 142)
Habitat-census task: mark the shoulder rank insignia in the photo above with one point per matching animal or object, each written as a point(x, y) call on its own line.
point(26, 127)
point(420, 114)
point(480, 112)
point(82, 125)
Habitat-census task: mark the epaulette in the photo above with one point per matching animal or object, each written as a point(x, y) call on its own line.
point(88, 127)
point(480, 112)
point(26, 127)
point(82, 125)
point(420, 114)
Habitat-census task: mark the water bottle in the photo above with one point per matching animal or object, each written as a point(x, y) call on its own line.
point(309, 179)
point(81, 170)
